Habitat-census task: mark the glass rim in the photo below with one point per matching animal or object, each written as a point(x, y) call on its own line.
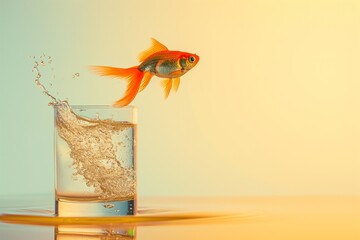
point(129, 112)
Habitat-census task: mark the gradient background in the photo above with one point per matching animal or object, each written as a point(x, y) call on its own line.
point(272, 108)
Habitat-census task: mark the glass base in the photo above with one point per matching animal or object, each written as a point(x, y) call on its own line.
point(81, 233)
point(65, 208)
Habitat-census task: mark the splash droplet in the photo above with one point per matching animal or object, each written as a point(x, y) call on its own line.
point(76, 75)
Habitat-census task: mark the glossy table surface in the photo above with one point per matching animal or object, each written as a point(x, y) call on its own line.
point(296, 217)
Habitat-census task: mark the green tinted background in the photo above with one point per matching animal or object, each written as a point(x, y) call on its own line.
point(273, 106)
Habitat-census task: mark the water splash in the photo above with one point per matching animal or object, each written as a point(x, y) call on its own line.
point(92, 144)
point(96, 156)
point(37, 64)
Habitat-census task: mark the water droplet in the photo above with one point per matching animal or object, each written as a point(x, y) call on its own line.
point(76, 75)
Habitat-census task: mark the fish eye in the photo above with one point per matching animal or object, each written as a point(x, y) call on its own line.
point(191, 59)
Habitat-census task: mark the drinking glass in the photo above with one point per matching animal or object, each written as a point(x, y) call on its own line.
point(95, 160)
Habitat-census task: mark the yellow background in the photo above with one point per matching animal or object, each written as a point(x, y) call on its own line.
point(272, 108)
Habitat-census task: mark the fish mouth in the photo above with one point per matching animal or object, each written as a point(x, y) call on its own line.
point(197, 58)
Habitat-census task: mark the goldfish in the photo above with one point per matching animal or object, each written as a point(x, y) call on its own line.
point(158, 61)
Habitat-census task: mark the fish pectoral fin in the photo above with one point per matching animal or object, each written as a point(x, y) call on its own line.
point(155, 47)
point(145, 81)
point(166, 84)
point(175, 83)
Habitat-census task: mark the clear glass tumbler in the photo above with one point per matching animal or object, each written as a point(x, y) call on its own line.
point(95, 160)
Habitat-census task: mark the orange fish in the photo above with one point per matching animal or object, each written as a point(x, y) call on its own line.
point(158, 60)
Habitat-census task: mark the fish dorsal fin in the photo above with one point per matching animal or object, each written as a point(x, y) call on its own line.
point(156, 46)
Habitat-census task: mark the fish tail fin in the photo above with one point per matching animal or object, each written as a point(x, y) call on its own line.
point(132, 89)
point(124, 73)
point(133, 76)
